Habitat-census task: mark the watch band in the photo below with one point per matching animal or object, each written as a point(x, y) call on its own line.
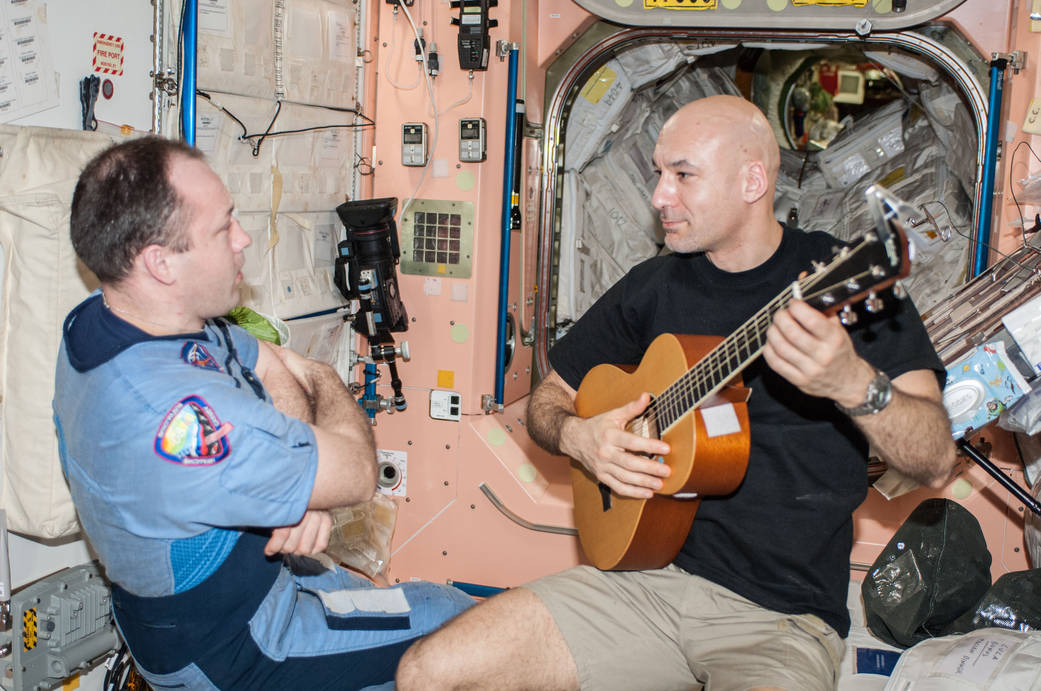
point(879, 394)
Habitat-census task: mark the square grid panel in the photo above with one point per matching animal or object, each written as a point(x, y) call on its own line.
point(437, 238)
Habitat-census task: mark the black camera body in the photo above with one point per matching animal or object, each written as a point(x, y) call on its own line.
point(365, 266)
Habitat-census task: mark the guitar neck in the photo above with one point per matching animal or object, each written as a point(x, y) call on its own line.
point(830, 287)
point(719, 366)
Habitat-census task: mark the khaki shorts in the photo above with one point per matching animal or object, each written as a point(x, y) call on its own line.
point(666, 629)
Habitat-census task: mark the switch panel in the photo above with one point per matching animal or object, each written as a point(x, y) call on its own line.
point(445, 405)
point(414, 144)
point(472, 140)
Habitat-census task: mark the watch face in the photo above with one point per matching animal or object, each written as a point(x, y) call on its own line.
point(879, 392)
point(877, 397)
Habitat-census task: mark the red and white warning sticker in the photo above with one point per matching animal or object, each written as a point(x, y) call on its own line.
point(108, 54)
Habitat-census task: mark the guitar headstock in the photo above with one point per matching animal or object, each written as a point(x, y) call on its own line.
point(876, 261)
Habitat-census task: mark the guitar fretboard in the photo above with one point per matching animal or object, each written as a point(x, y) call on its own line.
point(734, 353)
point(719, 366)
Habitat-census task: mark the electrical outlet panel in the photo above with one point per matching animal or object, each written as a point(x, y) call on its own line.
point(445, 405)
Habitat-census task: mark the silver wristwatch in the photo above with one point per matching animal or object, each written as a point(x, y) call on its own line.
point(879, 394)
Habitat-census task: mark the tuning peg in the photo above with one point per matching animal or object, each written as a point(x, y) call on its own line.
point(852, 285)
point(818, 267)
point(899, 291)
point(873, 303)
point(847, 316)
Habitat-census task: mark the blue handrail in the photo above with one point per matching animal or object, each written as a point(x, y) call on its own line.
point(507, 205)
point(990, 160)
point(189, 36)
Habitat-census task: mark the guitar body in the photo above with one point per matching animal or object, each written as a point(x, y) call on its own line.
point(624, 533)
point(700, 401)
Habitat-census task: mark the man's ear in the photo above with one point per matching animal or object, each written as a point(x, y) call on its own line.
point(156, 261)
point(756, 182)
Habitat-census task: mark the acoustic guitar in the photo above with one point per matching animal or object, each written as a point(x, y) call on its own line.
point(698, 407)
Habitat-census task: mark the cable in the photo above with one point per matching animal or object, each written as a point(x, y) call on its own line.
point(199, 92)
point(1012, 187)
point(119, 669)
point(950, 224)
point(363, 164)
point(247, 137)
point(464, 100)
point(390, 52)
point(433, 105)
point(256, 145)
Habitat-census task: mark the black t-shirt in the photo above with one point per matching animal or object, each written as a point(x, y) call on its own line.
point(783, 538)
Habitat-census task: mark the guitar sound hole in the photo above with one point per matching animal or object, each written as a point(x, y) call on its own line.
point(605, 496)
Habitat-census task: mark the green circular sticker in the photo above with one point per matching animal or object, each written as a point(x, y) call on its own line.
point(464, 180)
point(961, 488)
point(623, 3)
point(460, 334)
point(882, 6)
point(777, 5)
point(496, 436)
point(730, 4)
point(527, 473)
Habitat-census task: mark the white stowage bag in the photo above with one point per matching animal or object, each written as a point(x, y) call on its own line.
point(986, 659)
point(41, 282)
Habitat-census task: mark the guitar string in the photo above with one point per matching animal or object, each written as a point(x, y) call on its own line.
point(716, 368)
point(715, 372)
point(671, 400)
point(668, 398)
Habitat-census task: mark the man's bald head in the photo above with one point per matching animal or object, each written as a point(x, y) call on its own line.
point(717, 160)
point(735, 124)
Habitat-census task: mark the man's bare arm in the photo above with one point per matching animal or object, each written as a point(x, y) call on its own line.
point(346, 449)
point(912, 433)
point(601, 443)
point(287, 394)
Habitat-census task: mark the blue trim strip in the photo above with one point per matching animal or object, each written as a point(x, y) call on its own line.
point(476, 589)
point(371, 375)
point(507, 201)
point(190, 34)
point(990, 161)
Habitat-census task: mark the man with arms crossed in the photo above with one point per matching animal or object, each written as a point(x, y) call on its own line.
point(756, 599)
point(185, 441)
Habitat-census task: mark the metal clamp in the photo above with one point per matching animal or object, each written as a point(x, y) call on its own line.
point(167, 84)
point(488, 404)
point(503, 48)
point(1017, 59)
